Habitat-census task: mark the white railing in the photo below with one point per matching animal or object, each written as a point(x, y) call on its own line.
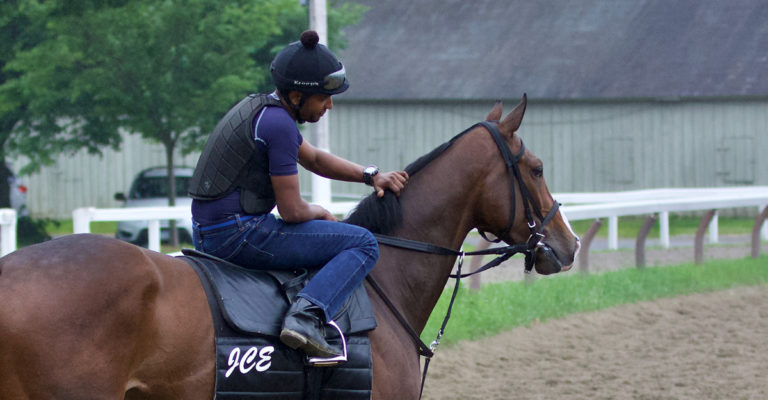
point(7, 231)
point(578, 206)
point(612, 205)
point(82, 218)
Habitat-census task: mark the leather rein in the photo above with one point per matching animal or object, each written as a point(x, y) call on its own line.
point(529, 247)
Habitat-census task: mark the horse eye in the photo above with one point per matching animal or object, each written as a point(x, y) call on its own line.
point(538, 172)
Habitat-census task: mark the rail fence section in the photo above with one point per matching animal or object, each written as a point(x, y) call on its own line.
point(655, 203)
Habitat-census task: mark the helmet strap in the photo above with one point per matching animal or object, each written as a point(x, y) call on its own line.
point(297, 108)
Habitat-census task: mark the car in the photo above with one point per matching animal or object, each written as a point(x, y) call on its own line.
point(150, 189)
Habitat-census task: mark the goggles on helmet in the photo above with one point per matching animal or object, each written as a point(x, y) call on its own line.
point(334, 80)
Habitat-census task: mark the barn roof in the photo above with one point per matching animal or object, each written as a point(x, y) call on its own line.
point(558, 49)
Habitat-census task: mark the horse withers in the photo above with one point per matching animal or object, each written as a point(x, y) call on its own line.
point(89, 317)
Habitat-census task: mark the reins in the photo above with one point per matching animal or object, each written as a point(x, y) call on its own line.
point(504, 253)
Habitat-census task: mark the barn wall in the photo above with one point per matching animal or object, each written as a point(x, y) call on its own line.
point(601, 146)
point(586, 146)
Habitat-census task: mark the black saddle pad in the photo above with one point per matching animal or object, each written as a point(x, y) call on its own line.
point(248, 307)
point(255, 301)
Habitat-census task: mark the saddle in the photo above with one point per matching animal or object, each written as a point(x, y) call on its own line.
point(248, 307)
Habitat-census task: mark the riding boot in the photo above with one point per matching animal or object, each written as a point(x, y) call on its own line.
point(303, 329)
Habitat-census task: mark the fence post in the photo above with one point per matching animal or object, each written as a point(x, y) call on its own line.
point(474, 280)
point(713, 228)
point(586, 241)
point(7, 231)
point(153, 235)
point(81, 220)
point(613, 232)
point(759, 221)
point(765, 226)
point(640, 243)
point(698, 247)
point(664, 229)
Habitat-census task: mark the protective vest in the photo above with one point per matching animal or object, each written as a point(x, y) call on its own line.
point(230, 160)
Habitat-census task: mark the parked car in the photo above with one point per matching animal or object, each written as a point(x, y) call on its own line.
point(150, 189)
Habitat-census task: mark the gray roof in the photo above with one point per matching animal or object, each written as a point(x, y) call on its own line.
point(558, 49)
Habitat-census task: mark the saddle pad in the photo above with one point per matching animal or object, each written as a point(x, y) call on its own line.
point(255, 301)
point(252, 363)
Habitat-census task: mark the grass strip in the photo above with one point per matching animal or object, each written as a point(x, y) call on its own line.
point(629, 226)
point(506, 305)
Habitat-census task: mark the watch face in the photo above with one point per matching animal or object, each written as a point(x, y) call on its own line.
point(370, 170)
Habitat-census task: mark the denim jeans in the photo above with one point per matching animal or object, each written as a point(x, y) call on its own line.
point(343, 253)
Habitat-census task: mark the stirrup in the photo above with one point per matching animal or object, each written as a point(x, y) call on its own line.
point(331, 361)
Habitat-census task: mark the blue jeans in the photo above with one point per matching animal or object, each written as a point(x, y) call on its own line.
point(343, 253)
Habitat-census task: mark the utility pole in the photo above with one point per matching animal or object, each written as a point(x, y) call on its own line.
point(321, 187)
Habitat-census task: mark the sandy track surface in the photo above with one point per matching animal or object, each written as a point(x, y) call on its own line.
point(702, 346)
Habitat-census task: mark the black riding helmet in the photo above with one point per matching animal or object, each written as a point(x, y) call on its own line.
point(308, 67)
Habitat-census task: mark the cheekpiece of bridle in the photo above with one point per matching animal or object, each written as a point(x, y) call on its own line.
point(531, 209)
point(529, 247)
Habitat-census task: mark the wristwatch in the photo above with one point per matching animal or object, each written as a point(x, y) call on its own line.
point(368, 173)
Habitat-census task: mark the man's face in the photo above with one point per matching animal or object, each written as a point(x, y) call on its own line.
point(315, 107)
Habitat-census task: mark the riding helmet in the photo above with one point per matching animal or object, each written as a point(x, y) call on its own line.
point(309, 67)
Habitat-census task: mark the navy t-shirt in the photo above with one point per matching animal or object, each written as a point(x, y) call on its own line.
point(275, 133)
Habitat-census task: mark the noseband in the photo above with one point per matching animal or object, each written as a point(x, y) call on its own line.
point(529, 247)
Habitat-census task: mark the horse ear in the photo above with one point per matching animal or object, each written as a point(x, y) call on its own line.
point(512, 122)
point(495, 114)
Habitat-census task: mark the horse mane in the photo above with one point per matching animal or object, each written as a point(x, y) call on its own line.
point(382, 215)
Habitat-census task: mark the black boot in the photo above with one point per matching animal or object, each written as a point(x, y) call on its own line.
point(303, 329)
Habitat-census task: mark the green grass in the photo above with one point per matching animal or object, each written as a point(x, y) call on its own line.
point(64, 227)
point(678, 225)
point(503, 306)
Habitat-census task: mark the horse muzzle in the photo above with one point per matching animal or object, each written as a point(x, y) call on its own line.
point(546, 261)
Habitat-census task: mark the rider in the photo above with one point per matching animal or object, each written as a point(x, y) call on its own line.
point(249, 166)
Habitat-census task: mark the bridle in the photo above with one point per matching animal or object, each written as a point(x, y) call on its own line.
point(529, 247)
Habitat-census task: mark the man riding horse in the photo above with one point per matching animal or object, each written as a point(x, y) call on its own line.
point(249, 166)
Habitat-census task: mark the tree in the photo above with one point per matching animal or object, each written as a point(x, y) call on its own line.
point(167, 70)
point(17, 33)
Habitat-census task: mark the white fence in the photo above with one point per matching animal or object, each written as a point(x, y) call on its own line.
point(612, 205)
point(7, 231)
point(82, 217)
point(578, 206)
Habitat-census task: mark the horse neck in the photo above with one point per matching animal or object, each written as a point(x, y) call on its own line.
point(437, 208)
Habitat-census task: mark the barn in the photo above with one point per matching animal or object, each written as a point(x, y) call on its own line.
point(623, 94)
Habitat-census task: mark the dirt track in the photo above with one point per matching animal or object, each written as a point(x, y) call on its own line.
point(703, 346)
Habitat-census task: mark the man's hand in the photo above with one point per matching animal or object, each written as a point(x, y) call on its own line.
point(394, 181)
point(323, 214)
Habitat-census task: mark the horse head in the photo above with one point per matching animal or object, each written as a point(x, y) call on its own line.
point(521, 189)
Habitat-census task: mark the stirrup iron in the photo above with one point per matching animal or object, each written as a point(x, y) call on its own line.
point(331, 361)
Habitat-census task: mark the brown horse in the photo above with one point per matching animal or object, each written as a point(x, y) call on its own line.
point(88, 317)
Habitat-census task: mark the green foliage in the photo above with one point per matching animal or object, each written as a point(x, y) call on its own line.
point(30, 231)
point(502, 306)
point(167, 70)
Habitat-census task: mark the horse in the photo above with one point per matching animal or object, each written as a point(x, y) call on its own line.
point(90, 317)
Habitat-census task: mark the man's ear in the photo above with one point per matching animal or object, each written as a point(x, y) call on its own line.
point(294, 97)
